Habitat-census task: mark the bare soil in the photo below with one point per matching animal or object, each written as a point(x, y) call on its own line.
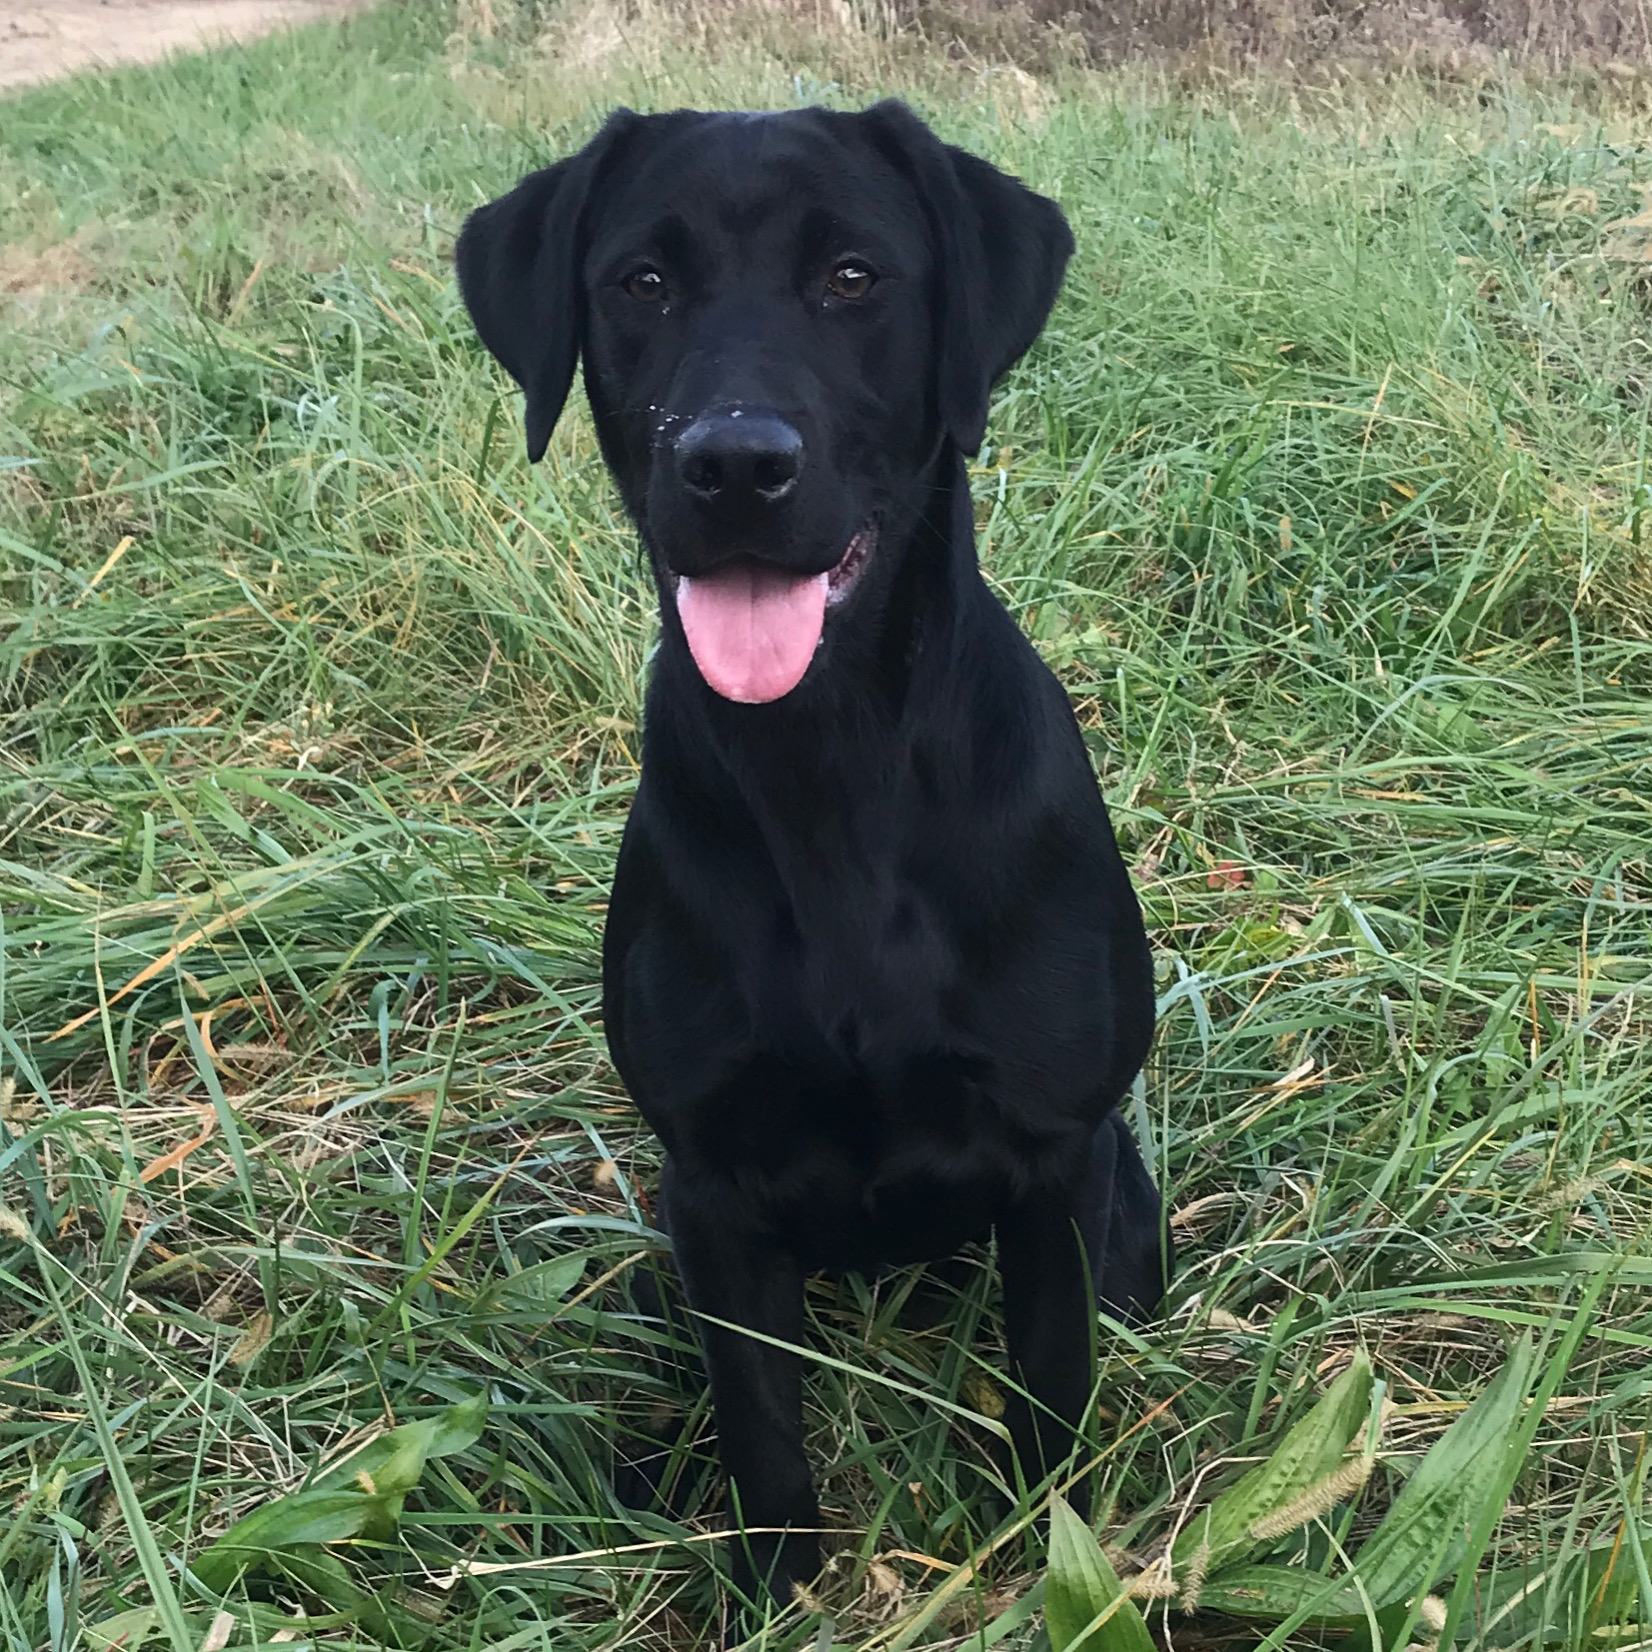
point(42, 39)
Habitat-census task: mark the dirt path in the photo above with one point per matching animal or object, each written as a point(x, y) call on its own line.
point(41, 39)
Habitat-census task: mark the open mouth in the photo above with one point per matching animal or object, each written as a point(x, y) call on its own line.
point(753, 630)
point(842, 579)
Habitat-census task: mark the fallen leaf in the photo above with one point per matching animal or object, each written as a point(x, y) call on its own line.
point(254, 1340)
point(217, 1637)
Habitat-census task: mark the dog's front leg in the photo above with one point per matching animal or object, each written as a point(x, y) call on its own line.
point(1049, 1315)
point(739, 1281)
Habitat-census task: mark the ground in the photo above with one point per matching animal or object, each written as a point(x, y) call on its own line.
point(41, 41)
point(1326, 496)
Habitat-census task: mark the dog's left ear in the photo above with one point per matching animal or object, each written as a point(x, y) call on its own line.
point(1001, 251)
point(518, 260)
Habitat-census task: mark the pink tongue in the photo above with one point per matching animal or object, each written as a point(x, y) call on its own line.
point(752, 631)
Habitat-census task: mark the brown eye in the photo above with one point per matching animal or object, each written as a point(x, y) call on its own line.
point(850, 280)
point(646, 285)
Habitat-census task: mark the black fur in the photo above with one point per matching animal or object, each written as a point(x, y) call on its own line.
point(874, 971)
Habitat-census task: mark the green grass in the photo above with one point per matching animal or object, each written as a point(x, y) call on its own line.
point(1324, 493)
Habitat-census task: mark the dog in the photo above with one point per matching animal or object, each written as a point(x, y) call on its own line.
point(873, 970)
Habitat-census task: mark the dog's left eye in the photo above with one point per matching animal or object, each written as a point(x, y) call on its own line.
point(645, 285)
point(850, 280)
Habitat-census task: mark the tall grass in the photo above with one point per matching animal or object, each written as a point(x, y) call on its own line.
point(1324, 493)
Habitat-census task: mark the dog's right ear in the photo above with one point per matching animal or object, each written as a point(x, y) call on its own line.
point(518, 260)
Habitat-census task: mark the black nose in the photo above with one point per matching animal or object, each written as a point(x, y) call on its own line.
point(739, 458)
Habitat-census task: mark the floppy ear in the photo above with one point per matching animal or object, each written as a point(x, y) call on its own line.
point(518, 260)
point(1001, 251)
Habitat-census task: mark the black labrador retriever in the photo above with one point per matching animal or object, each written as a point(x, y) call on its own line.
point(874, 970)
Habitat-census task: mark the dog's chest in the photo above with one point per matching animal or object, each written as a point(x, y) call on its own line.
point(873, 1165)
point(869, 962)
point(869, 1113)
point(862, 1023)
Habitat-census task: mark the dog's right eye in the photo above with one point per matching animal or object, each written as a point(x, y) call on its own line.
point(646, 285)
point(851, 280)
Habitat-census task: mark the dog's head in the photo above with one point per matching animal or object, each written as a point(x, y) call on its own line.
point(783, 319)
